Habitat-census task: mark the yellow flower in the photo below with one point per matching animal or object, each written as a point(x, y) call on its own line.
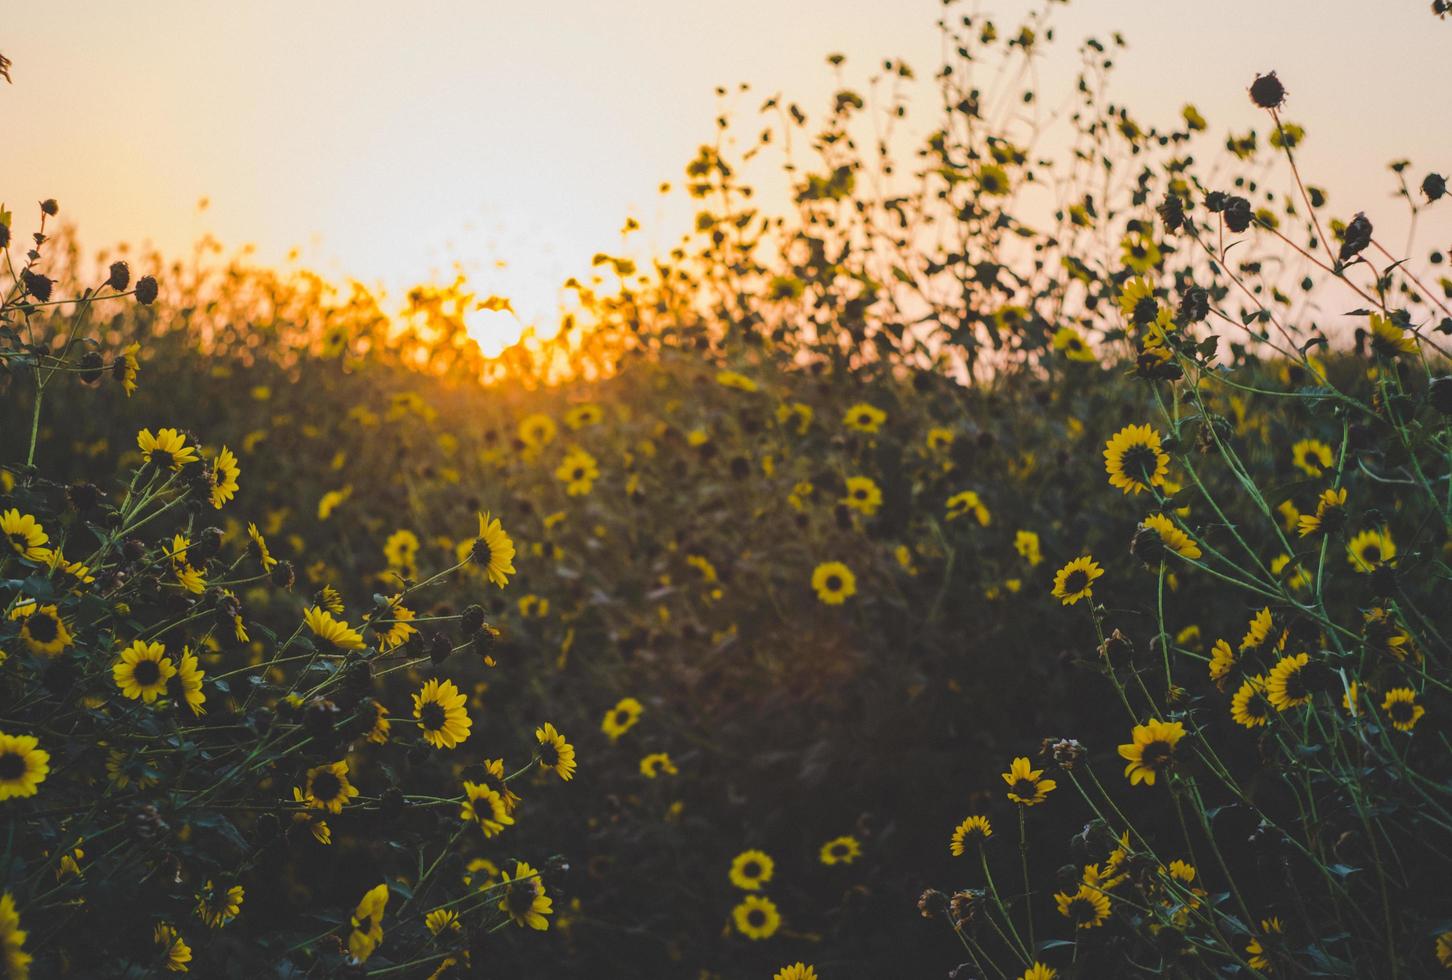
point(217, 907)
point(440, 920)
point(1222, 661)
point(1330, 514)
point(1075, 580)
point(1140, 253)
point(395, 625)
point(176, 954)
point(1311, 456)
point(16, 961)
point(1259, 947)
point(578, 471)
point(41, 627)
point(1444, 949)
point(401, 552)
point(1258, 631)
point(621, 718)
point(751, 869)
point(581, 416)
point(863, 417)
point(1137, 302)
point(1401, 707)
point(128, 367)
point(731, 379)
point(939, 438)
point(186, 686)
point(259, 548)
point(1134, 460)
point(486, 807)
point(656, 763)
point(367, 923)
point(1286, 686)
point(1026, 543)
point(863, 495)
point(973, 828)
point(796, 971)
point(24, 535)
point(537, 431)
point(555, 753)
point(223, 477)
point(493, 551)
point(756, 917)
point(1151, 751)
point(331, 501)
point(834, 583)
point(1086, 908)
point(1039, 972)
point(23, 765)
point(1370, 549)
point(142, 671)
point(1026, 785)
point(188, 576)
point(1388, 339)
point(1072, 345)
point(1250, 707)
point(168, 449)
point(800, 411)
point(966, 502)
point(328, 788)
point(1172, 537)
point(330, 631)
point(524, 899)
point(443, 719)
point(840, 850)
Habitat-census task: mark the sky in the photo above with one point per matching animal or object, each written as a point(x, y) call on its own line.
point(389, 142)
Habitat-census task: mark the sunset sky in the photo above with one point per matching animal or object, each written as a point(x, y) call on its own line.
point(389, 141)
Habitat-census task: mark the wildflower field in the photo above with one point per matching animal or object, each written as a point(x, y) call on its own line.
point(922, 582)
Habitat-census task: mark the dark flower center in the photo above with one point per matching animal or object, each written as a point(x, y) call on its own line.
point(161, 457)
point(1157, 754)
point(756, 918)
point(521, 896)
point(833, 583)
point(42, 627)
point(549, 755)
point(12, 767)
point(327, 786)
point(1082, 910)
point(1146, 310)
point(1076, 581)
point(146, 673)
point(1295, 686)
point(578, 473)
point(432, 716)
point(1139, 463)
point(751, 869)
point(1371, 554)
point(481, 552)
point(1401, 711)
point(1025, 788)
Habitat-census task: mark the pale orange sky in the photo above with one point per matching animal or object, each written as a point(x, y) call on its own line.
point(389, 140)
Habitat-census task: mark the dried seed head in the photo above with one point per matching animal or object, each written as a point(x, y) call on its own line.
point(120, 276)
point(1267, 91)
point(146, 290)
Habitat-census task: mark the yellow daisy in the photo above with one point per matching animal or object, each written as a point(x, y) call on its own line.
point(1134, 460)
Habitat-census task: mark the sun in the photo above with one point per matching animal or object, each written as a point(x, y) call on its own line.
point(494, 330)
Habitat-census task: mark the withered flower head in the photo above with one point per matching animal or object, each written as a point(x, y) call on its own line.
point(1267, 91)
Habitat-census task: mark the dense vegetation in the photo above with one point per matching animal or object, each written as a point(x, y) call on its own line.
point(1019, 560)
